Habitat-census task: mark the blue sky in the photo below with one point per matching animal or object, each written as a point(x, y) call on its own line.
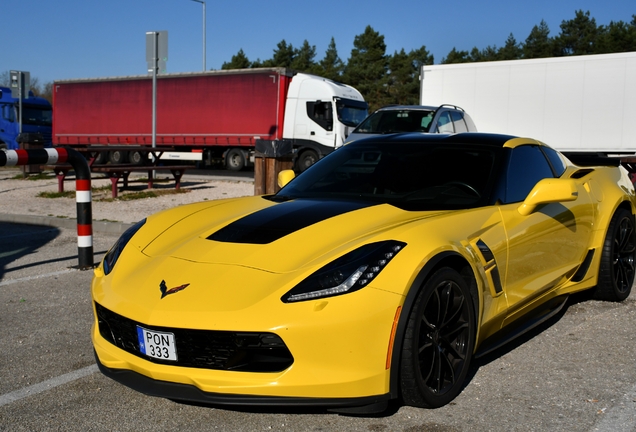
point(65, 39)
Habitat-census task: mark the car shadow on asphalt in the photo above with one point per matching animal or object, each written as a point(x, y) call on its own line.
point(573, 300)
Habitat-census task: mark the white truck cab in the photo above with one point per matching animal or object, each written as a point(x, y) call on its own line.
point(319, 115)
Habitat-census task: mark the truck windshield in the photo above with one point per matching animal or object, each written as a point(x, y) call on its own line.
point(39, 116)
point(351, 112)
point(391, 121)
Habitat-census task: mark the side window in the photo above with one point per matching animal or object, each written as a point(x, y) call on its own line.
point(557, 162)
point(321, 113)
point(458, 120)
point(527, 165)
point(444, 123)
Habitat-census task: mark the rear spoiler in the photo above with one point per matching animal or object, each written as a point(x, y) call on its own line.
point(602, 159)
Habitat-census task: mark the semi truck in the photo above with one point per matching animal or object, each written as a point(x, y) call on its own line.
point(577, 104)
point(208, 116)
point(36, 119)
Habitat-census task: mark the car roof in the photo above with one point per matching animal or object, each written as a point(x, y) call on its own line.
point(408, 107)
point(419, 107)
point(477, 138)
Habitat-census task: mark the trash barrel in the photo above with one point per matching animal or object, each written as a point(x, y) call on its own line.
point(272, 157)
point(30, 141)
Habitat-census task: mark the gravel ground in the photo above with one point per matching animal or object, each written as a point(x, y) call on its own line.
point(19, 196)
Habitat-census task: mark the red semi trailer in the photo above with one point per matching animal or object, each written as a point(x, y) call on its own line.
point(208, 115)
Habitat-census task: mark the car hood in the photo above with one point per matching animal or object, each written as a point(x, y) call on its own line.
point(276, 237)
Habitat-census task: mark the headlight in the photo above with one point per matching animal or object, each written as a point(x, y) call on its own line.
point(112, 255)
point(346, 274)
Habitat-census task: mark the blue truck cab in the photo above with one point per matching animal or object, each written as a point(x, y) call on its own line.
point(37, 116)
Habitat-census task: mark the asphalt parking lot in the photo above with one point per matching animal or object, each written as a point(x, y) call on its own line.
point(576, 373)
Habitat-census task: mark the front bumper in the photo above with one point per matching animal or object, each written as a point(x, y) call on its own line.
point(339, 346)
point(190, 393)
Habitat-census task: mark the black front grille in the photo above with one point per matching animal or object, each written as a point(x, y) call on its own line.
point(207, 349)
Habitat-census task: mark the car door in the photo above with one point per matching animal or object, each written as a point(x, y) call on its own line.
point(546, 246)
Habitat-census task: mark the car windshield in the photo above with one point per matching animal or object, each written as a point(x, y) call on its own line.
point(409, 175)
point(391, 121)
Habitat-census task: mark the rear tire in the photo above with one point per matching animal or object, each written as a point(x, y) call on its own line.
point(439, 341)
point(118, 157)
point(618, 259)
point(101, 158)
point(235, 160)
point(136, 158)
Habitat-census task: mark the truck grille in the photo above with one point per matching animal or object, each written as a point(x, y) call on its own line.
point(207, 349)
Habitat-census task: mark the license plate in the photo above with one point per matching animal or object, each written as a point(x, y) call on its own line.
point(160, 345)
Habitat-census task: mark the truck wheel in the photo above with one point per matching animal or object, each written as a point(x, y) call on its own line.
point(306, 159)
point(235, 160)
point(101, 158)
point(118, 157)
point(136, 158)
point(618, 259)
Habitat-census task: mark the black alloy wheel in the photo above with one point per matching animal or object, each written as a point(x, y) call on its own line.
point(618, 260)
point(438, 342)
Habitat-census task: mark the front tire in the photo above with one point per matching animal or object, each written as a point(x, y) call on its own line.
point(306, 159)
point(439, 341)
point(616, 273)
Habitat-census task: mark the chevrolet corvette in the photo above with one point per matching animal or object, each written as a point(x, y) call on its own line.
point(378, 274)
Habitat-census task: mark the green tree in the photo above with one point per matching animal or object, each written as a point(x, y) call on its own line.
point(331, 66)
point(303, 59)
point(511, 50)
point(538, 44)
point(578, 36)
point(403, 84)
point(455, 56)
point(239, 61)
point(617, 37)
point(283, 56)
point(366, 69)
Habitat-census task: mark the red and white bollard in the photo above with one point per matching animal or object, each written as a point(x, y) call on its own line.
point(83, 197)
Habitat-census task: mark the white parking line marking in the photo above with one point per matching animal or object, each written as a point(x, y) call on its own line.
point(12, 281)
point(47, 385)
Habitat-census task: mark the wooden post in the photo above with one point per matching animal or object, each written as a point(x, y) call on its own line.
point(271, 158)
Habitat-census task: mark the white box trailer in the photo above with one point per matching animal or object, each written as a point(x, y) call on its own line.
point(574, 104)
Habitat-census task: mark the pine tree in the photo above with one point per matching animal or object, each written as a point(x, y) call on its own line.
point(511, 50)
point(366, 69)
point(330, 66)
point(303, 60)
point(538, 44)
point(239, 61)
point(578, 36)
point(455, 56)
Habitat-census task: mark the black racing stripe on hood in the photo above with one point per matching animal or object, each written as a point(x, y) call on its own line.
point(275, 222)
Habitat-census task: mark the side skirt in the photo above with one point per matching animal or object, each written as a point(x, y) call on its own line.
point(538, 316)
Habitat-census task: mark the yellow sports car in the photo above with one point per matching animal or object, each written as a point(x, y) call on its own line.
point(376, 274)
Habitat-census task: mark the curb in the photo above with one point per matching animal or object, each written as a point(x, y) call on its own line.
point(68, 223)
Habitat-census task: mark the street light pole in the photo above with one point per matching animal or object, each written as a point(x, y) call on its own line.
point(203, 3)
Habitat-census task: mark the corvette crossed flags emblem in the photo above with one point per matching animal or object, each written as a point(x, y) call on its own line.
point(165, 291)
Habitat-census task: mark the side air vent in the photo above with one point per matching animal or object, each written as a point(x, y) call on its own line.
point(581, 173)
